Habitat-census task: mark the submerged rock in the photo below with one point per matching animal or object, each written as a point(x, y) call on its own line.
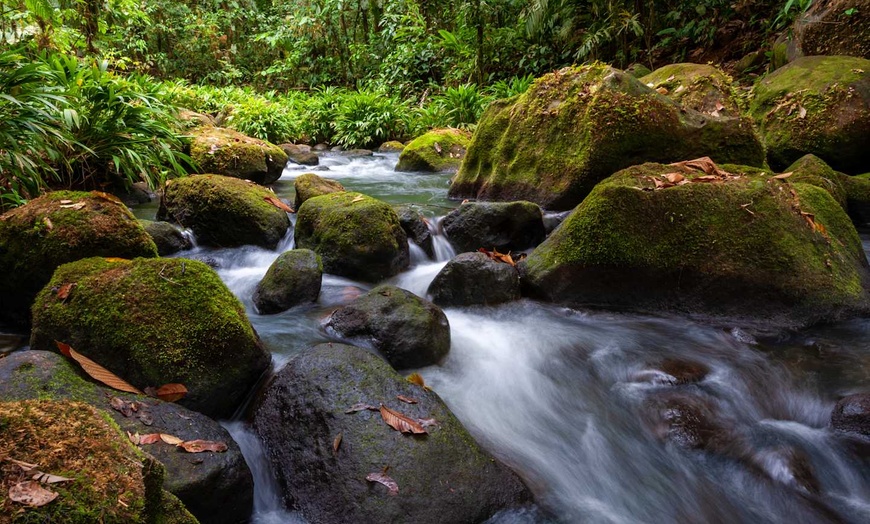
point(749, 247)
point(579, 125)
point(310, 185)
point(226, 152)
point(322, 454)
point(416, 228)
point(215, 487)
point(702, 87)
point(56, 228)
point(410, 332)
point(154, 322)
point(852, 414)
point(439, 150)
point(818, 105)
point(168, 238)
point(502, 226)
point(474, 279)
point(357, 236)
point(224, 211)
point(293, 278)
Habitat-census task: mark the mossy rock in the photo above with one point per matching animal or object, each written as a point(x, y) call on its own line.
point(154, 322)
point(409, 331)
point(393, 146)
point(835, 27)
point(579, 125)
point(818, 105)
point(293, 278)
point(439, 150)
point(310, 185)
point(57, 228)
point(502, 226)
point(701, 87)
point(224, 211)
point(304, 414)
point(755, 249)
point(216, 487)
point(226, 152)
point(357, 236)
point(167, 237)
point(112, 481)
point(637, 70)
point(851, 192)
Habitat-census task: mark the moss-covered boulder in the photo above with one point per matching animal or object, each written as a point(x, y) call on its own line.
point(216, 487)
point(226, 152)
point(835, 27)
point(154, 322)
point(818, 105)
point(474, 279)
point(357, 236)
point(393, 146)
point(111, 481)
point(167, 237)
point(579, 125)
point(701, 87)
point(503, 226)
point(409, 331)
point(637, 70)
point(443, 477)
point(744, 246)
point(224, 211)
point(293, 278)
point(439, 150)
point(57, 228)
point(851, 192)
point(310, 185)
point(416, 228)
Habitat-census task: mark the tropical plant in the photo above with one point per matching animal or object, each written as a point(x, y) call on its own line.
point(368, 118)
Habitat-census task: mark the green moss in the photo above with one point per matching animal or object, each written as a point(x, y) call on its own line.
point(309, 185)
point(438, 150)
point(701, 87)
point(226, 152)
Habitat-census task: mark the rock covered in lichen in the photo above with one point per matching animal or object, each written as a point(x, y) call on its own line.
point(439, 150)
point(702, 87)
point(322, 454)
point(579, 125)
point(502, 226)
point(57, 228)
point(224, 211)
point(293, 278)
point(818, 105)
point(310, 185)
point(357, 236)
point(155, 322)
point(226, 152)
point(747, 247)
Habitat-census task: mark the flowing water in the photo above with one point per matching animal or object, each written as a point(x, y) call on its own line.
point(572, 399)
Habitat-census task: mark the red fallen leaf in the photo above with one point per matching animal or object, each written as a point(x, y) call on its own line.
point(275, 201)
point(96, 371)
point(407, 400)
point(172, 440)
point(64, 290)
point(382, 478)
point(400, 422)
point(361, 406)
point(30, 493)
point(171, 392)
point(498, 257)
point(198, 446)
point(151, 438)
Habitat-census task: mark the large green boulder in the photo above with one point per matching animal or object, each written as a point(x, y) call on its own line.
point(702, 87)
point(851, 192)
point(439, 150)
point(224, 211)
point(818, 105)
point(57, 228)
point(322, 452)
point(226, 152)
point(357, 236)
point(745, 246)
point(155, 322)
point(310, 185)
point(216, 487)
point(579, 125)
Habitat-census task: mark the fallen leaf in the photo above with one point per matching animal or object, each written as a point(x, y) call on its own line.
point(679, 89)
point(76, 206)
point(48, 224)
point(198, 446)
point(106, 196)
point(145, 417)
point(381, 478)
point(670, 78)
point(674, 178)
point(48, 478)
point(715, 114)
point(275, 201)
point(407, 400)
point(662, 90)
point(361, 406)
point(336, 443)
point(498, 257)
point(116, 259)
point(151, 438)
point(719, 106)
point(171, 392)
point(30, 493)
point(400, 422)
point(26, 466)
point(170, 439)
point(121, 406)
point(705, 178)
point(64, 202)
point(96, 371)
point(802, 112)
point(427, 422)
point(438, 148)
point(357, 198)
point(135, 438)
point(416, 378)
point(782, 176)
point(64, 290)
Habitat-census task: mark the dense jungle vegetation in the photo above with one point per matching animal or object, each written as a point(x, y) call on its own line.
point(91, 90)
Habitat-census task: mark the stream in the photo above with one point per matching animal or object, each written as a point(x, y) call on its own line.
point(564, 396)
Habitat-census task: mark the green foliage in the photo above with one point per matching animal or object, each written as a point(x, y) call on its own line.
point(789, 12)
point(368, 118)
point(265, 119)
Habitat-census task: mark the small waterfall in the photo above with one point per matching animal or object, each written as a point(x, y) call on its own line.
point(443, 250)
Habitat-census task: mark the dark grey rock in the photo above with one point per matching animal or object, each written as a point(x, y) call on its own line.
point(852, 414)
point(474, 278)
point(294, 278)
point(415, 227)
point(504, 226)
point(168, 238)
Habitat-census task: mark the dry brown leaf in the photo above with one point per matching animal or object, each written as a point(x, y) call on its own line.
point(407, 400)
point(416, 378)
point(121, 406)
point(662, 90)
point(358, 198)
point(782, 176)
point(715, 114)
point(498, 257)
point(96, 371)
point(26, 466)
point(336, 443)
point(48, 478)
point(674, 178)
point(106, 196)
point(705, 178)
point(198, 446)
point(135, 438)
point(361, 406)
point(151, 438)
point(48, 224)
point(802, 112)
point(719, 106)
point(400, 422)
point(382, 478)
point(64, 290)
point(76, 206)
point(172, 440)
point(275, 201)
point(30, 493)
point(171, 392)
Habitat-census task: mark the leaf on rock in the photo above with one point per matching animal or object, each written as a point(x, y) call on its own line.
point(782, 176)
point(427, 422)
point(198, 446)
point(96, 371)
point(48, 478)
point(498, 257)
point(400, 422)
point(76, 206)
point(135, 438)
point(30, 493)
point(336, 443)
point(416, 378)
point(48, 224)
point(437, 148)
point(115, 259)
point(275, 201)
point(674, 178)
point(151, 438)
point(121, 406)
point(361, 406)
point(719, 106)
point(357, 198)
point(407, 400)
point(802, 112)
point(171, 392)
point(381, 478)
point(106, 196)
point(64, 290)
point(172, 440)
